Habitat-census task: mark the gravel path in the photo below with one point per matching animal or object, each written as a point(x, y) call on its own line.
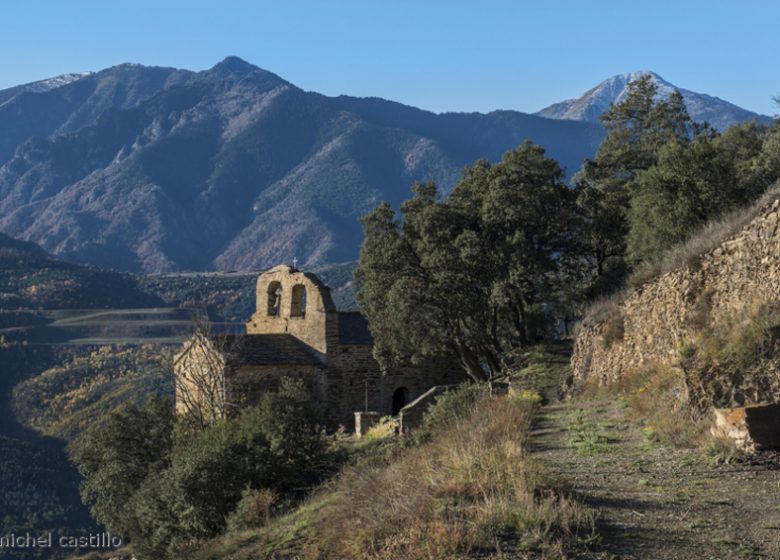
point(657, 502)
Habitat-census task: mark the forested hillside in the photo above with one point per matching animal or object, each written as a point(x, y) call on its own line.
point(232, 168)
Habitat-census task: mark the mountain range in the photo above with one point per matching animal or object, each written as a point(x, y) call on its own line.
point(702, 107)
point(142, 168)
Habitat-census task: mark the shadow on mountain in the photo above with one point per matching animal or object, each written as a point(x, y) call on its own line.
point(38, 484)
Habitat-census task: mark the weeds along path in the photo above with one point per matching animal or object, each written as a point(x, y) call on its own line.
point(656, 502)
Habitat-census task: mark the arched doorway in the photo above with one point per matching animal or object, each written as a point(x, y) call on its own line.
point(400, 397)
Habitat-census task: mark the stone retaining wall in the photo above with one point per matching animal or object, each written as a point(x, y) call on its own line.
point(656, 320)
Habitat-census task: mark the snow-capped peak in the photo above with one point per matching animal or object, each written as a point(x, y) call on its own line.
point(594, 102)
point(55, 82)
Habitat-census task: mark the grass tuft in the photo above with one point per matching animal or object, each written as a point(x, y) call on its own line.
point(587, 438)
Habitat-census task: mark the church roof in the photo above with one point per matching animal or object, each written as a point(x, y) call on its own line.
point(353, 329)
point(265, 350)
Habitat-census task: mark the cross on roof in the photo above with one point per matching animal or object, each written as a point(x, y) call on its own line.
point(295, 262)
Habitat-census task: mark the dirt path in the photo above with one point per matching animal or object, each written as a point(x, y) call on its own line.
point(656, 502)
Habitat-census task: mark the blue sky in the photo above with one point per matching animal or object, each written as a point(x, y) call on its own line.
point(441, 56)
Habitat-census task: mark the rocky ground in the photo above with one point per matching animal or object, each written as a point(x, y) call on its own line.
point(656, 502)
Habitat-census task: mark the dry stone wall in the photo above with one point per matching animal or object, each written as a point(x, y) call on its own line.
point(656, 320)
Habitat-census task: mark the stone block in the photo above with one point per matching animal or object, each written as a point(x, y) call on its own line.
point(411, 416)
point(364, 421)
point(750, 427)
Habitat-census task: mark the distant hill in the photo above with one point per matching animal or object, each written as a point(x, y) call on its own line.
point(30, 278)
point(66, 103)
point(233, 168)
point(702, 107)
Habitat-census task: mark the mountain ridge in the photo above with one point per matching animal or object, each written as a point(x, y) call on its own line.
point(159, 169)
point(589, 106)
point(234, 167)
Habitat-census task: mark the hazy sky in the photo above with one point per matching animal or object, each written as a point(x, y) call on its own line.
point(443, 56)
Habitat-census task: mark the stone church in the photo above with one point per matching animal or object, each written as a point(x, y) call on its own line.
point(297, 332)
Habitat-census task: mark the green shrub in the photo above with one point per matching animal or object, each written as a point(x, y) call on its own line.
point(587, 438)
point(687, 351)
point(172, 496)
point(253, 510)
point(450, 407)
point(117, 455)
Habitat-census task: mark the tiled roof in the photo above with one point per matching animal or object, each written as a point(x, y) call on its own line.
point(265, 349)
point(353, 329)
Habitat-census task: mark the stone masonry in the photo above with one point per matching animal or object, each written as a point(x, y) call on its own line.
point(658, 318)
point(297, 331)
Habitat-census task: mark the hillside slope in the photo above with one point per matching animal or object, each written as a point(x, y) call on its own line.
point(709, 315)
point(230, 168)
point(67, 103)
point(30, 278)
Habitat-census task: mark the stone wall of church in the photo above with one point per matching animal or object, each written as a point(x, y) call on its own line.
point(347, 381)
point(247, 384)
point(198, 369)
point(359, 384)
point(280, 308)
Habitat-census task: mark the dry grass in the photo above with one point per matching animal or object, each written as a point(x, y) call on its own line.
point(614, 330)
point(470, 490)
point(254, 509)
point(658, 396)
point(747, 338)
point(709, 237)
point(604, 308)
point(688, 254)
point(735, 359)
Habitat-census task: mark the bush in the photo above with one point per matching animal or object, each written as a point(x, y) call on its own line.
point(687, 351)
point(450, 407)
point(253, 510)
point(117, 455)
point(185, 492)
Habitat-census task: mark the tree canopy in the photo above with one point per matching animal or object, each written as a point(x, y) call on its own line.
point(658, 177)
point(470, 276)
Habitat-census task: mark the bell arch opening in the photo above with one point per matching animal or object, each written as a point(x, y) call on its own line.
point(274, 299)
point(298, 303)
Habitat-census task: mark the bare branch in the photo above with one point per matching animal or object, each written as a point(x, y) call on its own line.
point(202, 372)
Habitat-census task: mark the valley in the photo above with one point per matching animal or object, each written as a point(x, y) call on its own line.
point(410, 334)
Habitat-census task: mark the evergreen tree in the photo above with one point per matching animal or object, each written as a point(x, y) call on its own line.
point(163, 489)
point(636, 127)
point(117, 455)
point(694, 182)
point(472, 276)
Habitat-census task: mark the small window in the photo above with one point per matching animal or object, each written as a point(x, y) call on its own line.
point(298, 304)
point(274, 299)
